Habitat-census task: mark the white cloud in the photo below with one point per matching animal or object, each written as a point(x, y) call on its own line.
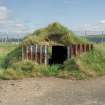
point(19, 25)
point(102, 21)
point(8, 24)
point(4, 13)
point(14, 27)
point(19, 28)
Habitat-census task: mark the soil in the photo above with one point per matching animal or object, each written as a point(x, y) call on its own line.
point(52, 91)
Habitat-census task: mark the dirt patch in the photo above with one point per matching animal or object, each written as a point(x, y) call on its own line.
point(52, 91)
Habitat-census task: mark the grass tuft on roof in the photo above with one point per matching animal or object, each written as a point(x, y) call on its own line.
point(53, 33)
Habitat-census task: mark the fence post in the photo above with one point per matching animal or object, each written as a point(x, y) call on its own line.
point(84, 47)
point(80, 48)
point(68, 52)
point(36, 47)
point(46, 55)
point(76, 49)
point(22, 53)
point(40, 54)
point(71, 50)
point(91, 46)
point(27, 53)
point(31, 52)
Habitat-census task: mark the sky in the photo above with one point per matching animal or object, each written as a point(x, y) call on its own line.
point(28, 15)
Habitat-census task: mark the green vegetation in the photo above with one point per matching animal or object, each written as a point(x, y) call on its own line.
point(87, 65)
point(54, 33)
point(93, 62)
point(4, 50)
point(27, 69)
point(12, 57)
point(51, 35)
point(90, 64)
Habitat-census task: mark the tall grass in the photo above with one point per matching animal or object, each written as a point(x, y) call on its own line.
point(90, 64)
point(4, 50)
point(94, 61)
point(26, 69)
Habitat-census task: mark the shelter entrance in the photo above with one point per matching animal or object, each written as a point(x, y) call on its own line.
point(59, 54)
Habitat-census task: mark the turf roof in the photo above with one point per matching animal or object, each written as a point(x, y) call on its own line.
point(53, 34)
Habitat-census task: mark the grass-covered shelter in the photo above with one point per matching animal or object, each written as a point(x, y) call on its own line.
point(53, 44)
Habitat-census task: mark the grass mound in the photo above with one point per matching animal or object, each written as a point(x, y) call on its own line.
point(87, 65)
point(53, 33)
point(26, 69)
point(5, 49)
point(93, 62)
point(12, 57)
point(90, 64)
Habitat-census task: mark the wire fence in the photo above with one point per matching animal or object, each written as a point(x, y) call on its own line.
point(95, 36)
point(10, 40)
point(89, 33)
point(14, 38)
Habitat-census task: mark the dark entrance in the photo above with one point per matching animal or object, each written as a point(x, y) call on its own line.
point(59, 54)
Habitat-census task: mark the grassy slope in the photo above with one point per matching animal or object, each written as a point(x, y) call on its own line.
point(94, 61)
point(65, 36)
point(90, 64)
point(4, 50)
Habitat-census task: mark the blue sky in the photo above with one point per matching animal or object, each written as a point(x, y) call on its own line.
point(27, 15)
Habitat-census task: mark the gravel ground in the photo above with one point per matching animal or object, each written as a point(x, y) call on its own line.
point(52, 91)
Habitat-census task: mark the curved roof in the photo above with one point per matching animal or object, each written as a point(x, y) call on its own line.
point(53, 34)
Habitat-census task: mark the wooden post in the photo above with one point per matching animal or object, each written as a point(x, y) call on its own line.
point(36, 51)
point(87, 47)
point(84, 47)
point(68, 52)
point(71, 50)
point(40, 54)
point(22, 53)
point(31, 47)
point(27, 53)
point(91, 46)
point(76, 50)
point(79, 49)
point(46, 55)
point(43, 54)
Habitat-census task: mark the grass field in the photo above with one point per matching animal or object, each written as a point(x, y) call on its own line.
point(5, 49)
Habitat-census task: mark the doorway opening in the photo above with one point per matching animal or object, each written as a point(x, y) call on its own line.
point(59, 55)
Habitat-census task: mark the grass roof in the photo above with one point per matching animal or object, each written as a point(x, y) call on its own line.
point(53, 33)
